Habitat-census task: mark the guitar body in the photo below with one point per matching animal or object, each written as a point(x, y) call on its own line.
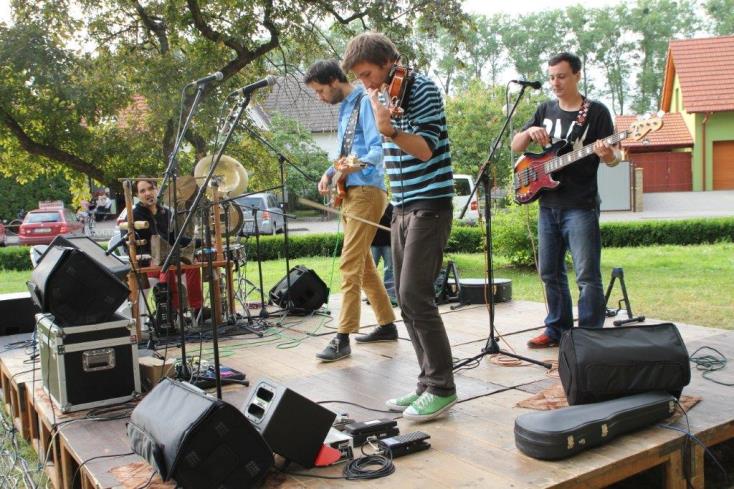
point(338, 187)
point(533, 173)
point(530, 177)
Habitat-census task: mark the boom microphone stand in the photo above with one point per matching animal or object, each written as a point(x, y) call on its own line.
point(492, 347)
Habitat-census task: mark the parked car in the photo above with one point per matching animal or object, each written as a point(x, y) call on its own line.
point(269, 214)
point(41, 226)
point(3, 236)
point(463, 186)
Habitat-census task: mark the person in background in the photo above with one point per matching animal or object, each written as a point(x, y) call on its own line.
point(381, 249)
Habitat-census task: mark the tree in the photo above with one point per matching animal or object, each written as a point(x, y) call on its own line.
point(721, 13)
point(475, 117)
point(532, 39)
point(71, 71)
point(657, 22)
point(612, 53)
point(483, 50)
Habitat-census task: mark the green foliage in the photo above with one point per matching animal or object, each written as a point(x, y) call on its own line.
point(721, 13)
point(474, 117)
point(466, 239)
point(16, 196)
point(94, 87)
point(679, 232)
point(512, 229)
point(15, 258)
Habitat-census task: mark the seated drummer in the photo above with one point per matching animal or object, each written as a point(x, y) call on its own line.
point(158, 217)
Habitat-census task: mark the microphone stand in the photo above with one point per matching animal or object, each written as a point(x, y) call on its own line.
point(282, 160)
point(172, 173)
point(236, 115)
point(492, 347)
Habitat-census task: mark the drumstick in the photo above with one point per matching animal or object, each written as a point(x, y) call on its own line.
point(326, 208)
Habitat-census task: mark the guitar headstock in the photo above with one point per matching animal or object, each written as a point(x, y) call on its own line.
point(645, 125)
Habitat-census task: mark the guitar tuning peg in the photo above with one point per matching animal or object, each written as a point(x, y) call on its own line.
point(660, 113)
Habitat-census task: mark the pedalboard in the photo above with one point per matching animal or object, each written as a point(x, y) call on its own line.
point(405, 444)
point(375, 429)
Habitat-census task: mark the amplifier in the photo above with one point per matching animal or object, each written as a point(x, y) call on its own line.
point(83, 367)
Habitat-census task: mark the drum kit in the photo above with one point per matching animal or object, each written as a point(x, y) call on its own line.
point(229, 180)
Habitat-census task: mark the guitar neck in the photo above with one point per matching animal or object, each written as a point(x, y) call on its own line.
point(562, 161)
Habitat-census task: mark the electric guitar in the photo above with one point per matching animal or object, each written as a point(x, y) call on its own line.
point(533, 173)
point(338, 185)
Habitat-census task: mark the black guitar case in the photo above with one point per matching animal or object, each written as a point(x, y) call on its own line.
point(553, 435)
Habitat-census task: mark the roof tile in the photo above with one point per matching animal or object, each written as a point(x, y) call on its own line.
point(291, 98)
point(674, 133)
point(705, 68)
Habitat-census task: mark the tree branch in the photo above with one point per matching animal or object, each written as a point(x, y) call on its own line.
point(156, 27)
point(50, 152)
point(210, 33)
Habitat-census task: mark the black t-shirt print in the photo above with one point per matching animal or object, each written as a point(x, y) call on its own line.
point(578, 187)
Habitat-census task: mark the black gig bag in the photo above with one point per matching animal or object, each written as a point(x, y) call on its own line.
point(597, 364)
point(553, 435)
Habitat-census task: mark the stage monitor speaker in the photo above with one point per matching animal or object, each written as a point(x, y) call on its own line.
point(17, 313)
point(308, 292)
point(196, 439)
point(293, 426)
point(94, 251)
point(76, 289)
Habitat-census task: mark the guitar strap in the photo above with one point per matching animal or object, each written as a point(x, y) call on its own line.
point(348, 139)
point(580, 122)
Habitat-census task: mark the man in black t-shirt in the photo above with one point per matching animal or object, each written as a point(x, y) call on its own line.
point(569, 215)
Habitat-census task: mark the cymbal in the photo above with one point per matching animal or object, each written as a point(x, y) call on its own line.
point(241, 188)
point(226, 172)
point(185, 188)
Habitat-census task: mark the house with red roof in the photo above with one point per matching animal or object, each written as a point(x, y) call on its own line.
point(695, 148)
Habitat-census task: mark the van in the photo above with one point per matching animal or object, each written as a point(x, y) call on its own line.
point(463, 187)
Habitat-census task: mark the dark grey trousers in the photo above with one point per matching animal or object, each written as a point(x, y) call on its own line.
point(418, 238)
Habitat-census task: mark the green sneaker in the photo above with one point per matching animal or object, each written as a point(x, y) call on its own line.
point(429, 406)
point(400, 403)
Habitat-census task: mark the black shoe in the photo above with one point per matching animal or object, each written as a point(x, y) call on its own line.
point(388, 332)
point(335, 350)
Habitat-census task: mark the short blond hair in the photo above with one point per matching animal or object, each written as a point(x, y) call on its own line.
point(371, 47)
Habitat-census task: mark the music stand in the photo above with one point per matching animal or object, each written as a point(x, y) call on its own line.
point(492, 347)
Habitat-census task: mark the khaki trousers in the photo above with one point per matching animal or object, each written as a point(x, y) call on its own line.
point(357, 266)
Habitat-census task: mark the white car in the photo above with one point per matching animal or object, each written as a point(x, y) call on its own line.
point(463, 186)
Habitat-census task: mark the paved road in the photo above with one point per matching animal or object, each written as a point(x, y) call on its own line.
point(665, 205)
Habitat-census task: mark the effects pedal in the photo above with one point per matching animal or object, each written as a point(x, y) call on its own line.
point(405, 444)
point(376, 428)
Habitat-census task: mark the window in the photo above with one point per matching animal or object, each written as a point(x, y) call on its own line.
point(34, 217)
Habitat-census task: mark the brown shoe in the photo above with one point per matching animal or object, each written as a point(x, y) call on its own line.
point(542, 341)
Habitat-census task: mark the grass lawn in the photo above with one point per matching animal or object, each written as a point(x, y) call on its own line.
point(691, 284)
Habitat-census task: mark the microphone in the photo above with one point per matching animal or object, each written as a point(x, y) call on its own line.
point(268, 81)
point(525, 83)
point(217, 75)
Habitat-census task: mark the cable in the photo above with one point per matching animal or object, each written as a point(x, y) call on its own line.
point(710, 363)
point(78, 469)
point(357, 405)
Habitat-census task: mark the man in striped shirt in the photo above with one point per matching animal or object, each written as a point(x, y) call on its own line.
point(418, 164)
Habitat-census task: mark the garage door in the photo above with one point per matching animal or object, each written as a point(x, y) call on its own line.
point(664, 171)
point(724, 165)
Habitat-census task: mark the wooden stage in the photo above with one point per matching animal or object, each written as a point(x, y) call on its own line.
point(471, 447)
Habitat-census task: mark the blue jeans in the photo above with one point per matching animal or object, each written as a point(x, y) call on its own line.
point(576, 230)
point(387, 278)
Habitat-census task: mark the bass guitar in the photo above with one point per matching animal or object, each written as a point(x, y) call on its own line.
point(533, 173)
point(338, 185)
